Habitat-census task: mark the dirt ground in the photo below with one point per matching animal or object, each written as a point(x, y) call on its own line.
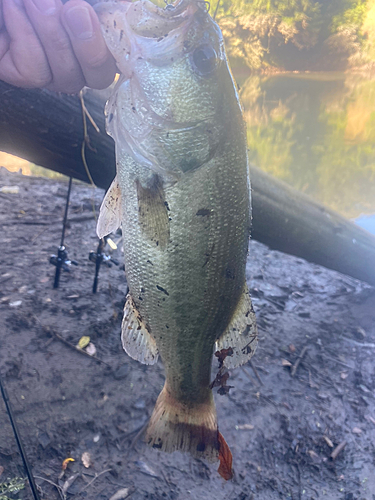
point(281, 428)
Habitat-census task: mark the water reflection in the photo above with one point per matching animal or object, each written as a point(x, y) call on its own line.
point(316, 132)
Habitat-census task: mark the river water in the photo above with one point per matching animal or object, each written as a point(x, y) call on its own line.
point(316, 131)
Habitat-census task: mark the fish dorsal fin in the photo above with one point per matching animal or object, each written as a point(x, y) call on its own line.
point(110, 211)
point(241, 334)
point(136, 339)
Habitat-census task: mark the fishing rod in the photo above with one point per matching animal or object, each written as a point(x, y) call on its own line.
point(18, 440)
point(61, 260)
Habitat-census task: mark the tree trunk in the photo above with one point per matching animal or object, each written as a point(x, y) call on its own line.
point(47, 129)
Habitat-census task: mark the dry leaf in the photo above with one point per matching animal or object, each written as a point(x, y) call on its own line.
point(86, 459)
point(292, 348)
point(65, 463)
point(314, 456)
point(1, 469)
point(91, 349)
point(344, 375)
point(328, 441)
point(112, 244)
point(357, 430)
point(120, 494)
point(285, 362)
point(83, 342)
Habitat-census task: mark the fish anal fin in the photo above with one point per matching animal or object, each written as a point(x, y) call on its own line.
point(153, 213)
point(135, 337)
point(188, 428)
point(241, 334)
point(110, 211)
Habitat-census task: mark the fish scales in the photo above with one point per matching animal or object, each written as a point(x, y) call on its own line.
point(183, 180)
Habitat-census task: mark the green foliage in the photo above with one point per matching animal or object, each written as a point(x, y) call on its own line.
point(353, 15)
point(11, 486)
point(296, 34)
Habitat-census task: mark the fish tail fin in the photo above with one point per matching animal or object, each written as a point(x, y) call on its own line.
point(176, 426)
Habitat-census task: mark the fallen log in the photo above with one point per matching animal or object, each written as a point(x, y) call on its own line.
point(47, 129)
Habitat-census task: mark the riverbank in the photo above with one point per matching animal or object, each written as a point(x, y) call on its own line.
point(282, 429)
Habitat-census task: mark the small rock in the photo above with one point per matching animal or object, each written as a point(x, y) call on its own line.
point(121, 372)
point(357, 430)
point(140, 404)
point(43, 439)
point(15, 303)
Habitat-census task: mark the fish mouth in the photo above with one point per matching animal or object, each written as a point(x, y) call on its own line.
point(145, 19)
point(142, 30)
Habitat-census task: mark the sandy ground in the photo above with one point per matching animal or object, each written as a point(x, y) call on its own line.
point(281, 428)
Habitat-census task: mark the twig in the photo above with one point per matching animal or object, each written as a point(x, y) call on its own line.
point(137, 436)
point(78, 349)
point(337, 450)
point(358, 344)
point(330, 358)
point(253, 381)
point(256, 372)
point(59, 489)
point(69, 344)
point(94, 479)
point(296, 364)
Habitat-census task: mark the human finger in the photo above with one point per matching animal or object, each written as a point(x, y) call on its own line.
point(22, 59)
point(66, 71)
point(82, 25)
point(1, 15)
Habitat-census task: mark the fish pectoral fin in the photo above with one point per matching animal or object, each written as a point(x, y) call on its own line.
point(153, 215)
point(241, 334)
point(136, 339)
point(110, 211)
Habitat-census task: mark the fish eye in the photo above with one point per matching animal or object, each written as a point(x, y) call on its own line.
point(204, 59)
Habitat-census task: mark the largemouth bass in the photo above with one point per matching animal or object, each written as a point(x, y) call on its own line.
point(182, 195)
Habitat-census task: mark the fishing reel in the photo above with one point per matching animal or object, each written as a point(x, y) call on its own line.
point(61, 261)
point(100, 257)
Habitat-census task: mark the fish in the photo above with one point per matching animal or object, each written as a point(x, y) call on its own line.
point(182, 196)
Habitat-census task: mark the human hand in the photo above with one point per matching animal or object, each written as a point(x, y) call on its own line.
point(44, 43)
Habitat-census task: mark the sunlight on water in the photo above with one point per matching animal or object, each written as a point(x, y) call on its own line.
point(15, 164)
point(316, 131)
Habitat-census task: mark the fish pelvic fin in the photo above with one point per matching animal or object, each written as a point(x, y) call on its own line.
point(185, 427)
point(241, 334)
point(110, 211)
point(135, 336)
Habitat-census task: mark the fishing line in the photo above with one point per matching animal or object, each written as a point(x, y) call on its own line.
point(18, 440)
point(216, 9)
